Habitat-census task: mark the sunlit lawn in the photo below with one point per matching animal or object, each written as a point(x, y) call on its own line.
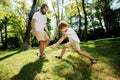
point(25, 65)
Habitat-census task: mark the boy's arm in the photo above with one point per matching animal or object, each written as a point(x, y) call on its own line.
point(59, 41)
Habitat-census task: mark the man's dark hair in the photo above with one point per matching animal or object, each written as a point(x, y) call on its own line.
point(43, 6)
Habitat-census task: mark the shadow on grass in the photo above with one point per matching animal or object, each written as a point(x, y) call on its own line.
point(29, 71)
point(7, 56)
point(108, 52)
point(73, 68)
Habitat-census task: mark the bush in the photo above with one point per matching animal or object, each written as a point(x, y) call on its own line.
point(13, 42)
point(115, 32)
point(97, 34)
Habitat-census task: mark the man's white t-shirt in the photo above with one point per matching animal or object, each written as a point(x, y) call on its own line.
point(72, 35)
point(40, 21)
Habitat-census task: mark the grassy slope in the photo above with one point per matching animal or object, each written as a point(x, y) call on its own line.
point(25, 65)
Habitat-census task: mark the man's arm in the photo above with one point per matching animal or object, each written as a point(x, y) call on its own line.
point(33, 24)
point(46, 28)
point(59, 41)
point(33, 27)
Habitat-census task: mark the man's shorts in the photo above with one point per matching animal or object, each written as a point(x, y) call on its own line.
point(76, 45)
point(41, 36)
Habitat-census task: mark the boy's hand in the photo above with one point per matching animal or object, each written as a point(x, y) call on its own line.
point(54, 46)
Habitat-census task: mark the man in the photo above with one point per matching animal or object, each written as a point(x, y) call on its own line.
point(38, 25)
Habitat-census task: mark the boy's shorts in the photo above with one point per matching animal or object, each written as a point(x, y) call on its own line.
point(41, 36)
point(76, 45)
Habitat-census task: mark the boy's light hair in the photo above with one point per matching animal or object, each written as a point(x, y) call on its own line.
point(62, 24)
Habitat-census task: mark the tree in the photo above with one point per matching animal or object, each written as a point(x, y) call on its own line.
point(79, 17)
point(25, 44)
point(1, 34)
point(56, 7)
point(85, 16)
point(4, 18)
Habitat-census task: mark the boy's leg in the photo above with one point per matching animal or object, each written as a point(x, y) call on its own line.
point(77, 46)
point(93, 60)
point(84, 54)
point(63, 51)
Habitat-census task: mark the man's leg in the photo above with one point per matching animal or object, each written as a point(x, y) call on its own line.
point(47, 40)
point(41, 48)
point(47, 43)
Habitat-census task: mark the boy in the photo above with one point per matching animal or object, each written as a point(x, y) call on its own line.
point(73, 41)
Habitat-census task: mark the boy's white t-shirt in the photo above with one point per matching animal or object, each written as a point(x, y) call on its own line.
point(72, 35)
point(40, 21)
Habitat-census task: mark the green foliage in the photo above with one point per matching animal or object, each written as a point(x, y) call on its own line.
point(16, 16)
point(5, 3)
point(39, 3)
point(13, 42)
point(98, 33)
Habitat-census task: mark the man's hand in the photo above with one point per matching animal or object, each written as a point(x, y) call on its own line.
point(47, 32)
point(54, 46)
point(35, 33)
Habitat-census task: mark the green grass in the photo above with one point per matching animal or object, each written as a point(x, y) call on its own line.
point(25, 65)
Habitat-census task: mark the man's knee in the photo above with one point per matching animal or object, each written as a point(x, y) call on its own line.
point(41, 42)
point(48, 41)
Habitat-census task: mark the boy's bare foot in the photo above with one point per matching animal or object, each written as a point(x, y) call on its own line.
point(58, 57)
point(93, 61)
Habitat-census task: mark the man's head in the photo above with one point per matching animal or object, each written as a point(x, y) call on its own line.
point(44, 9)
point(63, 26)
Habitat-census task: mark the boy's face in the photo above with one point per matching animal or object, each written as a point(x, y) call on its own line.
point(64, 29)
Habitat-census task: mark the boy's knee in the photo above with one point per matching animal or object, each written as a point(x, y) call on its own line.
point(79, 51)
point(65, 47)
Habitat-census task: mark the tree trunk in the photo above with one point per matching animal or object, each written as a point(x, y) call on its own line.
point(85, 16)
point(92, 21)
point(5, 42)
point(100, 20)
point(107, 17)
point(62, 10)
point(2, 38)
point(25, 44)
point(58, 18)
point(79, 18)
